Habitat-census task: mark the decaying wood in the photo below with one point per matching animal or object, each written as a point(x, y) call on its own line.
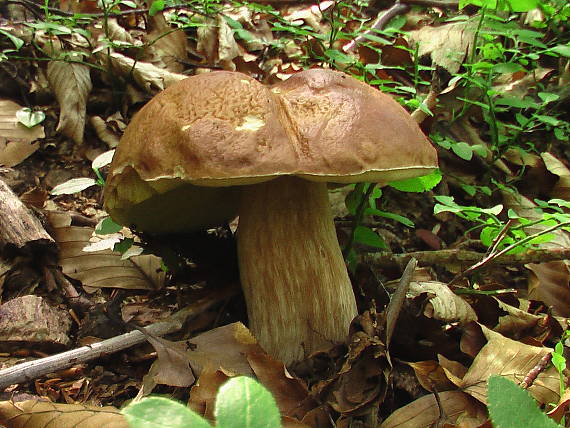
point(463, 258)
point(20, 229)
point(30, 370)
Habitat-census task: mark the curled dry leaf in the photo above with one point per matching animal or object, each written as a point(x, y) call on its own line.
point(506, 357)
point(103, 132)
point(516, 321)
point(71, 83)
point(217, 43)
point(104, 268)
point(224, 348)
point(561, 189)
point(171, 367)
point(424, 412)
point(290, 393)
point(149, 77)
point(444, 305)
point(17, 142)
point(431, 376)
point(43, 414)
point(166, 46)
point(448, 44)
point(549, 282)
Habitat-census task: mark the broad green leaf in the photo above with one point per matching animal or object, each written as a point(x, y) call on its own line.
point(367, 236)
point(107, 226)
point(509, 101)
point(160, 412)
point(549, 120)
point(73, 186)
point(16, 41)
point(155, 7)
point(336, 55)
point(563, 50)
point(30, 118)
point(463, 150)
point(244, 403)
point(507, 67)
point(418, 184)
point(513, 407)
point(548, 97)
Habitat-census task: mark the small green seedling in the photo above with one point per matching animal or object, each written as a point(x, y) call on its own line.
point(241, 403)
point(78, 184)
point(30, 118)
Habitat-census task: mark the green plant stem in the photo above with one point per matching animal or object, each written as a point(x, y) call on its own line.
point(358, 218)
point(505, 250)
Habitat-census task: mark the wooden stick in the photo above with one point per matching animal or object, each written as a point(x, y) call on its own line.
point(30, 370)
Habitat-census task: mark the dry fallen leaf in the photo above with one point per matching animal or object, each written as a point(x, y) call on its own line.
point(171, 367)
point(103, 268)
point(34, 413)
point(71, 83)
point(166, 46)
point(149, 77)
point(549, 282)
point(561, 189)
point(448, 44)
point(445, 305)
point(17, 142)
point(225, 348)
point(217, 43)
point(512, 359)
point(460, 409)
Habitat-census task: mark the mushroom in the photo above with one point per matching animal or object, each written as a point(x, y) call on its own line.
point(221, 143)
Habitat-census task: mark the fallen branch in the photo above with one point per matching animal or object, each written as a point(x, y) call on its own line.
point(30, 370)
point(462, 258)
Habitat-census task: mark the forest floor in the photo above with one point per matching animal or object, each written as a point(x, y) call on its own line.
point(485, 237)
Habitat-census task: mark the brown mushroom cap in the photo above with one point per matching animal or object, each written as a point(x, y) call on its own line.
point(223, 129)
point(219, 143)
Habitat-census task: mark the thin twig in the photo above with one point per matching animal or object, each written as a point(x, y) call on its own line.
point(30, 370)
point(379, 24)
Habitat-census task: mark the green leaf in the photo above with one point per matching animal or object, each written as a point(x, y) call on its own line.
point(107, 226)
point(73, 186)
point(507, 67)
point(160, 412)
point(548, 97)
point(335, 55)
point(549, 120)
point(353, 198)
point(244, 403)
point(29, 118)
point(401, 219)
point(155, 7)
point(463, 150)
point(123, 245)
point(509, 101)
point(513, 407)
point(367, 236)
point(16, 41)
point(562, 50)
point(103, 159)
point(418, 184)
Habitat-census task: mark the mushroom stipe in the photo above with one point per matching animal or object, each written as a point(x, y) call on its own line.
point(221, 144)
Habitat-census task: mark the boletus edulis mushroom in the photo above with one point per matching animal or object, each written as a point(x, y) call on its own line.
point(220, 144)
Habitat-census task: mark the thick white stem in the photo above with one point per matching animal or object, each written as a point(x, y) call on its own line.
point(298, 293)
